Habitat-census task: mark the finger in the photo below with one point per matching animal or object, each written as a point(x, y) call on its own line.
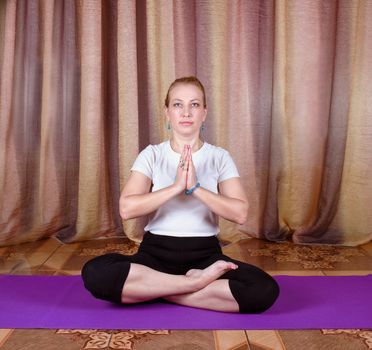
point(192, 171)
point(190, 160)
point(183, 156)
point(185, 164)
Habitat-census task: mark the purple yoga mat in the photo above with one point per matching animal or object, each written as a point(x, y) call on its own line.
point(305, 303)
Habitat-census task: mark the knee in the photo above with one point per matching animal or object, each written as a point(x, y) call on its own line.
point(104, 276)
point(255, 298)
point(92, 270)
point(269, 294)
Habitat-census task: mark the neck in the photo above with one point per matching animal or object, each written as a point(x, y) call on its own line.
point(178, 143)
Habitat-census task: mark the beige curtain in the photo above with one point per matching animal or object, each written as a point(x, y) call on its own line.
point(288, 92)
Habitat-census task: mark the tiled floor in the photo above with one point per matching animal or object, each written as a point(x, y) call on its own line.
point(54, 258)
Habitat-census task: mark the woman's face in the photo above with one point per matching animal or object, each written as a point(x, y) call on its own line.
point(186, 112)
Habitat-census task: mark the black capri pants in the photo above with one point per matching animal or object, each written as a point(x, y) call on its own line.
point(253, 289)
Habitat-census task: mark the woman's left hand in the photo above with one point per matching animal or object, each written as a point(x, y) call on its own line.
point(191, 172)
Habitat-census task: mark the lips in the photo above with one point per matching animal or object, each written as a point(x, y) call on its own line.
point(186, 123)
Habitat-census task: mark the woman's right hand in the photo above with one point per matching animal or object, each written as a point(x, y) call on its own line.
point(181, 175)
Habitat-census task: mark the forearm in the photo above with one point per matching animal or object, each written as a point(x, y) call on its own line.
point(133, 206)
point(231, 209)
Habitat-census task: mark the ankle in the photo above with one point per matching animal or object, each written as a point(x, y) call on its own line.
point(193, 283)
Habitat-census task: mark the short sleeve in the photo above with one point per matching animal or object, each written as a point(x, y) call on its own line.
point(144, 162)
point(227, 167)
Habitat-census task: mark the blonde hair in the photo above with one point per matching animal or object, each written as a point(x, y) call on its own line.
point(186, 80)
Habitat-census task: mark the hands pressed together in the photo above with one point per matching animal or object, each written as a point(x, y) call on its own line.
point(186, 174)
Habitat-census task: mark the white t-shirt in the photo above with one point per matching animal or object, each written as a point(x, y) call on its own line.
point(184, 216)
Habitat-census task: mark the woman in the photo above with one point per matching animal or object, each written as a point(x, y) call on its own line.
point(183, 184)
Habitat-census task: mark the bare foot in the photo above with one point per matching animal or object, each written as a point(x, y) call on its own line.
point(194, 273)
point(204, 277)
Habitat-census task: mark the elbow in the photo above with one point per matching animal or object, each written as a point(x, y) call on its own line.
point(124, 214)
point(124, 210)
point(241, 220)
point(243, 215)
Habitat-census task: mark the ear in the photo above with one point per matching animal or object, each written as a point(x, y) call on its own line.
point(166, 117)
point(205, 114)
point(165, 111)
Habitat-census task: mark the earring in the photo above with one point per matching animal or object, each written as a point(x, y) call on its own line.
point(202, 128)
point(168, 126)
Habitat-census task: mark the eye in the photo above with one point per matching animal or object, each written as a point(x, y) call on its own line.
point(195, 104)
point(177, 105)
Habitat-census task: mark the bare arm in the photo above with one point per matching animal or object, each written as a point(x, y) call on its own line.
point(136, 199)
point(231, 203)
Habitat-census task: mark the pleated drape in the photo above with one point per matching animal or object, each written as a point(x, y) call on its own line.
point(288, 94)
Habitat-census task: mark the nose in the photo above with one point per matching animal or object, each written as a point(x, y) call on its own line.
point(186, 112)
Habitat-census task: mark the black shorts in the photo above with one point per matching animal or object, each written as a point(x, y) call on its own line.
point(253, 289)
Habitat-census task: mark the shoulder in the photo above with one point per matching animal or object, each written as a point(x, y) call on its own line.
point(147, 158)
point(216, 151)
point(222, 161)
point(154, 150)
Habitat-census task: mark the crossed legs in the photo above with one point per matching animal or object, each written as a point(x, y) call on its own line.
point(218, 282)
point(197, 288)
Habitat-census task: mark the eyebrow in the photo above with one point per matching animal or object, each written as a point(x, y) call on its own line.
point(178, 99)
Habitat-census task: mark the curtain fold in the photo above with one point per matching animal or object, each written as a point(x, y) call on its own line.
point(82, 91)
point(300, 112)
